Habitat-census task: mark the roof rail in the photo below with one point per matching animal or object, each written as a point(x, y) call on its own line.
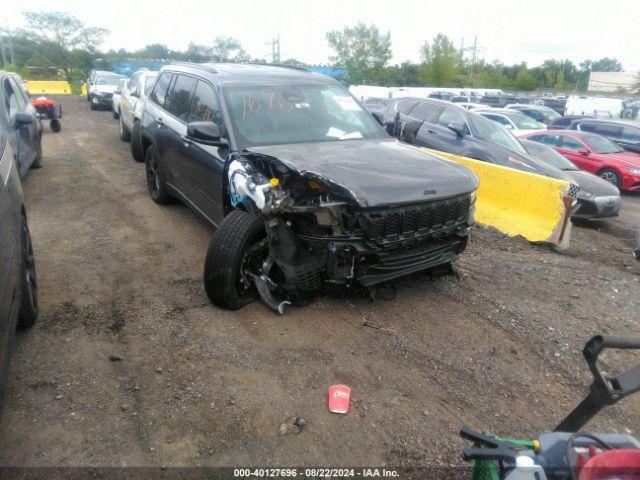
point(204, 66)
point(281, 65)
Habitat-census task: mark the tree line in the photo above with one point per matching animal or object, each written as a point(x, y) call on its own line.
point(59, 44)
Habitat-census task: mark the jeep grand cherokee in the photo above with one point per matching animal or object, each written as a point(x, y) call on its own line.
point(302, 185)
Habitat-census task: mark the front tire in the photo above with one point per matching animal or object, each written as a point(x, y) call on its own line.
point(116, 113)
point(156, 183)
point(136, 143)
point(125, 134)
point(227, 258)
point(611, 176)
point(29, 299)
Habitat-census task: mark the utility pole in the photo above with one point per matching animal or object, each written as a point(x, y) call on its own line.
point(275, 49)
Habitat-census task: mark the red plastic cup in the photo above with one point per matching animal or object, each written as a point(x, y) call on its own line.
point(339, 396)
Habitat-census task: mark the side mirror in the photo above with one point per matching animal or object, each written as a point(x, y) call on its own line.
point(118, 92)
point(22, 118)
point(379, 117)
point(135, 94)
point(508, 127)
point(584, 151)
point(458, 128)
point(207, 133)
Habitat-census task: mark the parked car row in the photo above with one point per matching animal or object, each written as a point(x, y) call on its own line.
point(480, 135)
point(20, 150)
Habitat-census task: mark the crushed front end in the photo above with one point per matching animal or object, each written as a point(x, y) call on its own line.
point(317, 233)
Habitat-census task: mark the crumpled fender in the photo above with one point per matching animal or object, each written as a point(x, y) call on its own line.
point(245, 184)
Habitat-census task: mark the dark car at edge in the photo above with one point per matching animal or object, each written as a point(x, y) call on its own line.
point(304, 188)
point(18, 291)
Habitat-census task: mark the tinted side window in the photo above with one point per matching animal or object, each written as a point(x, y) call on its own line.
point(204, 106)
point(570, 143)
point(450, 116)
point(588, 127)
point(405, 107)
point(12, 100)
point(180, 105)
point(609, 130)
point(160, 91)
point(631, 134)
point(551, 140)
point(429, 112)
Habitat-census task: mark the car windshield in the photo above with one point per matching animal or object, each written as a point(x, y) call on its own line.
point(523, 122)
point(549, 156)
point(490, 131)
point(148, 84)
point(111, 80)
point(601, 144)
point(268, 115)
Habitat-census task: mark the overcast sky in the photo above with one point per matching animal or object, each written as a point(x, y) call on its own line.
point(511, 31)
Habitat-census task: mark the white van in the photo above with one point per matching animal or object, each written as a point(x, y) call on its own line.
point(594, 106)
point(363, 92)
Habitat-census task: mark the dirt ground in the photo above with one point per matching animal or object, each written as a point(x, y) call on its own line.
point(130, 365)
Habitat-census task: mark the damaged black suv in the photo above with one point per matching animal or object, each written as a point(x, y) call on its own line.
point(303, 186)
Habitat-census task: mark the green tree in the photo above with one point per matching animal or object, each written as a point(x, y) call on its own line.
point(606, 64)
point(524, 81)
point(361, 50)
point(66, 36)
point(227, 49)
point(560, 80)
point(441, 62)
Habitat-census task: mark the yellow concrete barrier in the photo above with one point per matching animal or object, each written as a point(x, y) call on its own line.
point(48, 86)
point(520, 203)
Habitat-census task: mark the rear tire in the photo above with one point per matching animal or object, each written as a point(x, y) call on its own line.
point(29, 299)
point(156, 183)
point(125, 134)
point(116, 114)
point(136, 143)
point(55, 125)
point(226, 254)
point(611, 176)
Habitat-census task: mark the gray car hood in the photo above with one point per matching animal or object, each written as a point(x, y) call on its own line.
point(376, 172)
point(590, 183)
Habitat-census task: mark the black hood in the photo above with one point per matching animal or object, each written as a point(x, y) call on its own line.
point(377, 172)
point(590, 183)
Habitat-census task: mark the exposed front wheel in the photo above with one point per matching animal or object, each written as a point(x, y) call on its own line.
point(29, 300)
point(236, 252)
point(611, 176)
point(155, 178)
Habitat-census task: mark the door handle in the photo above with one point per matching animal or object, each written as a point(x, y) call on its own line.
point(431, 131)
point(160, 120)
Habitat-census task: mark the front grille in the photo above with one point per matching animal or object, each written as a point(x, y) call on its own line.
point(413, 220)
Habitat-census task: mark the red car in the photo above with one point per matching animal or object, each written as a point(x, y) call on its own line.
point(596, 154)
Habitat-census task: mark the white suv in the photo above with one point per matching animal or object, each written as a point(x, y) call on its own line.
point(132, 96)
